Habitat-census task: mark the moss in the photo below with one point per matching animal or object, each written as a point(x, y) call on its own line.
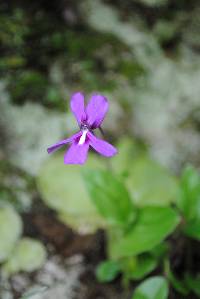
point(14, 186)
point(33, 42)
point(28, 84)
point(130, 69)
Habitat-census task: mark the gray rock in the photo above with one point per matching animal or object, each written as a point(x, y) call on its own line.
point(29, 130)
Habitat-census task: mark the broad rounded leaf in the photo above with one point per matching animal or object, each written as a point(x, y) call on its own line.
point(128, 150)
point(152, 288)
point(151, 184)
point(153, 225)
point(10, 231)
point(29, 255)
point(63, 189)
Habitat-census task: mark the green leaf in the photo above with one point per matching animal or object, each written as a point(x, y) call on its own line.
point(29, 255)
point(151, 184)
point(136, 268)
point(152, 288)
point(159, 251)
point(189, 200)
point(110, 197)
point(128, 150)
point(145, 265)
point(107, 271)
point(62, 188)
point(192, 229)
point(153, 225)
point(10, 231)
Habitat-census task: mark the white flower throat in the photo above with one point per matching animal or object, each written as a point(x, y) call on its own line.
point(83, 137)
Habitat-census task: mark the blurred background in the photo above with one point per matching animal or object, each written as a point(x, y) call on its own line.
point(144, 55)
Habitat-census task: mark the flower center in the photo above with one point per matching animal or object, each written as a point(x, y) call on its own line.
point(84, 126)
point(83, 137)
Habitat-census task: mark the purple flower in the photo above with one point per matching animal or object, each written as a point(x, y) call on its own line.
point(89, 119)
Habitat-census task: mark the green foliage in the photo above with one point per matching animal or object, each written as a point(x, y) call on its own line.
point(32, 42)
point(145, 264)
point(137, 267)
point(150, 183)
point(189, 201)
point(107, 271)
point(133, 268)
point(136, 230)
point(110, 197)
point(153, 225)
point(15, 187)
point(28, 84)
point(134, 233)
point(129, 69)
point(186, 285)
point(128, 150)
point(152, 288)
point(10, 231)
point(13, 30)
point(63, 189)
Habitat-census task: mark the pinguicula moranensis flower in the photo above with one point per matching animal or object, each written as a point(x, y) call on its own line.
point(89, 118)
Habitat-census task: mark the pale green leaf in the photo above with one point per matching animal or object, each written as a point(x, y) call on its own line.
point(10, 231)
point(151, 184)
point(29, 255)
point(152, 288)
point(63, 189)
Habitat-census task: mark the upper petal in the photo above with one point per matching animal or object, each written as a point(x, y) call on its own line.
point(77, 153)
point(59, 144)
point(102, 147)
point(77, 106)
point(96, 110)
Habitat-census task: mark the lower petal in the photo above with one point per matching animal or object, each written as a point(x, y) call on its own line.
point(59, 144)
point(77, 153)
point(102, 147)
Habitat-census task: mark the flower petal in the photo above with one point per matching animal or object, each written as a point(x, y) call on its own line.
point(96, 110)
point(102, 147)
point(77, 153)
point(59, 144)
point(77, 106)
